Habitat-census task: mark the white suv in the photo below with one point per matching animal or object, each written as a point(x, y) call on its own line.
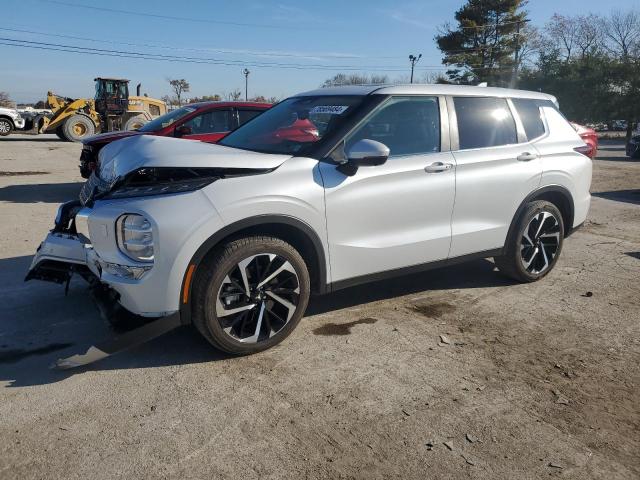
point(325, 190)
point(10, 119)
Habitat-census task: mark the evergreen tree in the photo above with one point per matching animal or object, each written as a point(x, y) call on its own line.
point(483, 45)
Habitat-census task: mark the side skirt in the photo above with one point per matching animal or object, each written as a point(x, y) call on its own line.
point(374, 277)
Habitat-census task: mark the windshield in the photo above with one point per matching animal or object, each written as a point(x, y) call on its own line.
point(293, 125)
point(166, 119)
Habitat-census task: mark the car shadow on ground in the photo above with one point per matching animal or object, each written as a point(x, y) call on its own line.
point(40, 192)
point(627, 196)
point(28, 138)
point(41, 325)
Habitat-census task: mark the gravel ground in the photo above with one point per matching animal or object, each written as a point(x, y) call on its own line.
point(537, 380)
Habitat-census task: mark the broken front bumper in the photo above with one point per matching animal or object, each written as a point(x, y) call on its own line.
point(66, 251)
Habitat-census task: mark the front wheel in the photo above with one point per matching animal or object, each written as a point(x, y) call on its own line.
point(5, 127)
point(135, 123)
point(534, 244)
point(77, 127)
point(250, 294)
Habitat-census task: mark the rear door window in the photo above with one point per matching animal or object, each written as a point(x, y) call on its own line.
point(484, 122)
point(245, 115)
point(531, 116)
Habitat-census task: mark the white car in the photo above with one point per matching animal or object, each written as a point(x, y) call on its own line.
point(327, 189)
point(10, 119)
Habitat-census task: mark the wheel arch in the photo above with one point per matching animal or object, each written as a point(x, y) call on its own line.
point(7, 117)
point(558, 195)
point(290, 229)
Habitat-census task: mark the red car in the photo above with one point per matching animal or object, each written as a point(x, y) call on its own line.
point(206, 121)
point(590, 137)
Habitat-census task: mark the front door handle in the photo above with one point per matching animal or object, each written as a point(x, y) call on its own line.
point(438, 167)
point(526, 157)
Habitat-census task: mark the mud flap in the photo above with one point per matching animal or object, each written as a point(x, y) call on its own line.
point(123, 342)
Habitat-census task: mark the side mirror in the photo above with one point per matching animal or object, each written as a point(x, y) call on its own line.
point(367, 153)
point(181, 131)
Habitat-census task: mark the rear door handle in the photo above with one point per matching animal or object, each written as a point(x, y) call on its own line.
point(438, 167)
point(526, 157)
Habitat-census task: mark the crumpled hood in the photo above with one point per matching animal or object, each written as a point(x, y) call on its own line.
point(129, 154)
point(110, 136)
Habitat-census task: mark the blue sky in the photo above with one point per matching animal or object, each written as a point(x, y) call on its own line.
point(371, 36)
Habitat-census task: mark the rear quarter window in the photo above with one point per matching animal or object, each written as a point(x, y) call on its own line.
point(484, 122)
point(531, 116)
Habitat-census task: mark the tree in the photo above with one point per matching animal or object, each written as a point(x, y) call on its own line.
point(622, 31)
point(355, 79)
point(40, 104)
point(485, 43)
point(5, 101)
point(207, 98)
point(234, 95)
point(574, 36)
point(179, 87)
point(595, 71)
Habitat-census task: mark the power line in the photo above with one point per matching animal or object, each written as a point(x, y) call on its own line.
point(191, 49)
point(197, 60)
point(174, 18)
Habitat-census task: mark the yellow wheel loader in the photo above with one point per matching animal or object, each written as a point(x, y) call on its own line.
point(111, 109)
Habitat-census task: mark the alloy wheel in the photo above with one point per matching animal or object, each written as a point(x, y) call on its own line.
point(540, 243)
point(5, 127)
point(257, 298)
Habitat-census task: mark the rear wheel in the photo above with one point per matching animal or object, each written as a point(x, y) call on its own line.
point(534, 244)
point(77, 127)
point(5, 127)
point(250, 294)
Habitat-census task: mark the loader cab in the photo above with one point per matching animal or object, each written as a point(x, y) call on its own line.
point(112, 96)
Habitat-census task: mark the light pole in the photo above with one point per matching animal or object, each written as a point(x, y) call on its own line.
point(413, 59)
point(246, 73)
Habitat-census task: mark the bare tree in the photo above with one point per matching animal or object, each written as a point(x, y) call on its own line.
point(355, 79)
point(531, 43)
point(588, 33)
point(5, 101)
point(179, 86)
point(234, 95)
point(622, 32)
point(561, 31)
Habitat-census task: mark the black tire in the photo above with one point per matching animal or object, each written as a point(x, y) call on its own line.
point(547, 243)
point(210, 284)
point(135, 122)
point(6, 127)
point(77, 127)
point(60, 134)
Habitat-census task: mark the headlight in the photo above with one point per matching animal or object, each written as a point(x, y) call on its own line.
point(162, 181)
point(135, 237)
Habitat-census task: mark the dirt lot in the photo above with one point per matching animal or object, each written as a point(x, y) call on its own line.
point(537, 380)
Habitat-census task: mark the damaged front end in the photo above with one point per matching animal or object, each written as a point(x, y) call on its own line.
point(67, 251)
point(63, 252)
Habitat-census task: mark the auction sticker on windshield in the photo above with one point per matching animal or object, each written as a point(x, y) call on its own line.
point(330, 109)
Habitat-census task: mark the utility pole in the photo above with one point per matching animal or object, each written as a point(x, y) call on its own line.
point(516, 60)
point(246, 73)
point(413, 59)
